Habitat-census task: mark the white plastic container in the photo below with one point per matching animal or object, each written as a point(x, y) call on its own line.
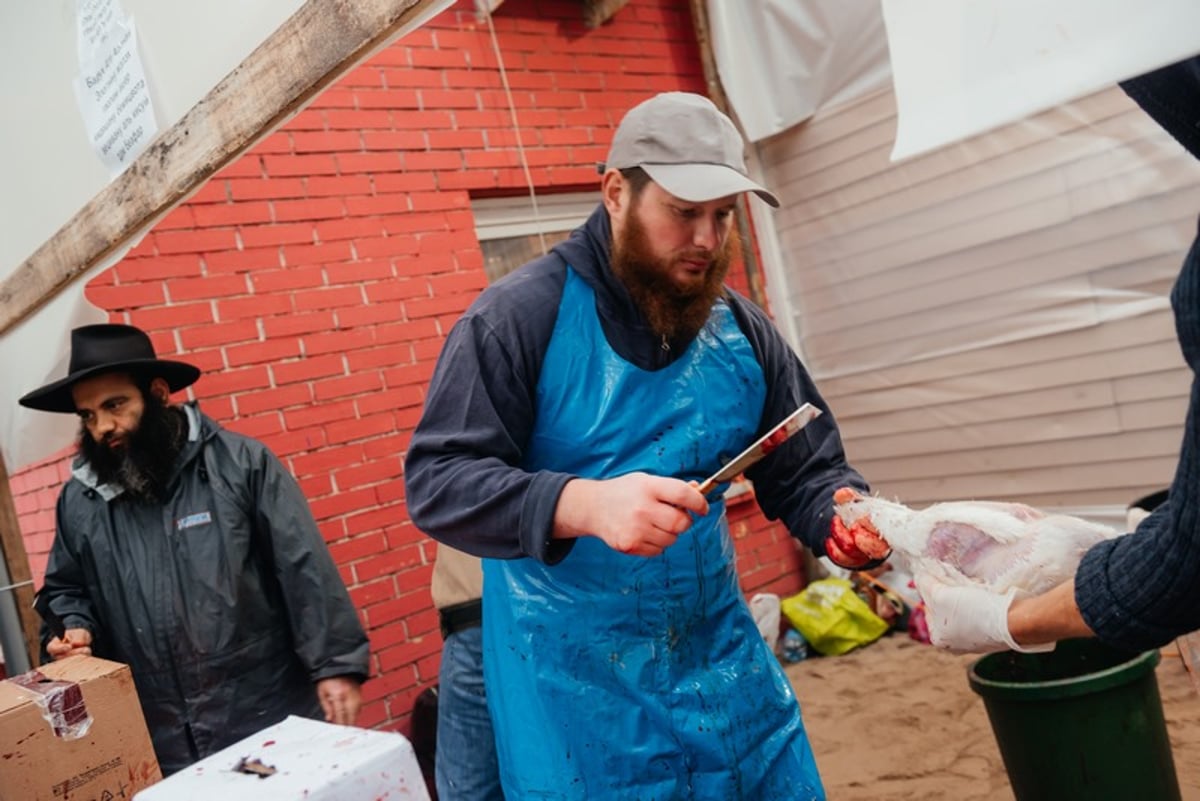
point(301, 759)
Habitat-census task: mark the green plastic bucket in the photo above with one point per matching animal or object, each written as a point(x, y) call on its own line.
point(1083, 721)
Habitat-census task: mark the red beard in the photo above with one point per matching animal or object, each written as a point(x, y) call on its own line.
point(674, 311)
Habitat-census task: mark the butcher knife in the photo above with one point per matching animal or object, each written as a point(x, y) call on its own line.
point(41, 604)
point(762, 446)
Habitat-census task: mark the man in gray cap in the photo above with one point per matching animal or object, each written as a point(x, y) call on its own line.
point(574, 409)
point(188, 552)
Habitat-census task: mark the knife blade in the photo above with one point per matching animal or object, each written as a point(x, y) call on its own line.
point(762, 446)
point(41, 605)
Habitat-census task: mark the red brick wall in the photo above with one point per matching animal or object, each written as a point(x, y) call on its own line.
point(314, 279)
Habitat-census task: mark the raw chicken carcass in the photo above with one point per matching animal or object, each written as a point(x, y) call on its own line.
point(998, 546)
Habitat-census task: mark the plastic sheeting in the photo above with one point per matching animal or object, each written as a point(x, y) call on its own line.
point(990, 319)
point(962, 68)
point(781, 61)
point(186, 49)
point(1069, 220)
point(34, 352)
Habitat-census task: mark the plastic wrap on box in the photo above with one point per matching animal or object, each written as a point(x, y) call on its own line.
point(73, 730)
point(61, 704)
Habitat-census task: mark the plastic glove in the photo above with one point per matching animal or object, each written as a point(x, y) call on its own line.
point(856, 545)
point(970, 619)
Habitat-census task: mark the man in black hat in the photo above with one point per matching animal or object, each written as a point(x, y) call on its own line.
point(189, 553)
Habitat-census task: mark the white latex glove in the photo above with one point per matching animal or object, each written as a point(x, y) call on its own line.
point(970, 619)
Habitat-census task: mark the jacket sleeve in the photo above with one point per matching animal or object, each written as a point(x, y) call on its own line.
point(1142, 590)
point(464, 483)
point(1171, 95)
point(795, 482)
point(65, 584)
point(326, 632)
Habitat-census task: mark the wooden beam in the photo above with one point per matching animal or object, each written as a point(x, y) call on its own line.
point(12, 549)
point(313, 48)
point(716, 93)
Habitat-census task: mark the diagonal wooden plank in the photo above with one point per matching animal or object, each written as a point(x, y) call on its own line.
point(12, 550)
point(313, 48)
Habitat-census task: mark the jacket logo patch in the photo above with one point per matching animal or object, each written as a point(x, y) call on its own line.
point(191, 521)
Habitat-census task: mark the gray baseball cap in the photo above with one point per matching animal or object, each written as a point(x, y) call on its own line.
point(687, 146)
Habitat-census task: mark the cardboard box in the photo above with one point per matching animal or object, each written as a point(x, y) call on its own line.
point(304, 759)
point(73, 731)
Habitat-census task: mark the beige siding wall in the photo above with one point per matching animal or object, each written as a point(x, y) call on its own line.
point(991, 320)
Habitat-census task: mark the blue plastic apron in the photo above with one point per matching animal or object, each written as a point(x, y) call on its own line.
point(617, 676)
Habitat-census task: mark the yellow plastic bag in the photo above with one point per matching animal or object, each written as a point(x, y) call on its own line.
point(832, 617)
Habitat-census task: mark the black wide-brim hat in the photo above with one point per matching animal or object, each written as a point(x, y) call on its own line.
point(108, 348)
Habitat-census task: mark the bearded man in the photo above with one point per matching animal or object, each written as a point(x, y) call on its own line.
point(188, 552)
point(574, 408)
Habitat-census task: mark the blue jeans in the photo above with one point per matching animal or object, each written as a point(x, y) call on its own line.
point(467, 769)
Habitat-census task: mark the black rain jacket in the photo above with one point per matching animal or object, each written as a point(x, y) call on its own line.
point(224, 601)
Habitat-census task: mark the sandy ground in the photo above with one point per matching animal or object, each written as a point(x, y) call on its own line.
point(897, 720)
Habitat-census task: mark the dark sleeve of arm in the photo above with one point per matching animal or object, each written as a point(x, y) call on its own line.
point(65, 584)
point(1142, 590)
point(329, 639)
point(795, 483)
point(463, 479)
point(1171, 95)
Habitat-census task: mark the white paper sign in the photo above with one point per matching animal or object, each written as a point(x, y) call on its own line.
point(962, 67)
point(111, 89)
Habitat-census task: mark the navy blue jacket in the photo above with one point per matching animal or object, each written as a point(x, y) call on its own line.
point(463, 482)
point(1143, 590)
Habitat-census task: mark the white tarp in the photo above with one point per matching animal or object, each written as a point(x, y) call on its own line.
point(33, 352)
point(185, 49)
point(781, 61)
point(962, 67)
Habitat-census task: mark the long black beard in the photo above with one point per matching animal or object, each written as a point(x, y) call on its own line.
point(143, 467)
point(673, 312)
